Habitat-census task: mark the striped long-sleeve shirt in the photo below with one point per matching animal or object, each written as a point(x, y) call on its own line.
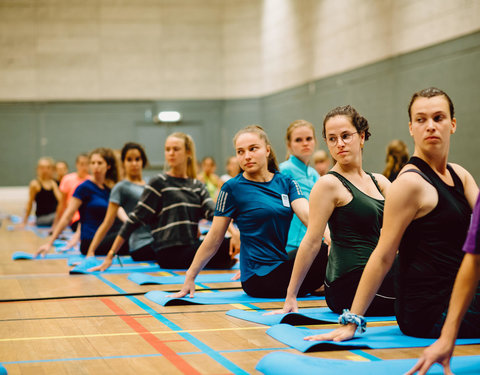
point(172, 207)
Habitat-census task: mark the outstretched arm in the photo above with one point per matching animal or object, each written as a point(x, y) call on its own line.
point(33, 190)
point(62, 203)
point(103, 228)
point(321, 205)
point(401, 207)
point(73, 206)
point(205, 252)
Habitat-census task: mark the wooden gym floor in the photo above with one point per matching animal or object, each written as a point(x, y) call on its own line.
point(54, 323)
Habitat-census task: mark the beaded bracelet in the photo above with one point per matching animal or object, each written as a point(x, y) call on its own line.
point(348, 317)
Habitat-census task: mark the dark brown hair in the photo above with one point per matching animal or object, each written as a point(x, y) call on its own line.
point(109, 157)
point(134, 146)
point(358, 121)
point(430, 93)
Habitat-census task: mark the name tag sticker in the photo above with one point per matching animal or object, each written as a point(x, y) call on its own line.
point(285, 200)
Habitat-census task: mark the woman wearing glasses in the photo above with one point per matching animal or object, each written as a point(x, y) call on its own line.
point(427, 215)
point(351, 200)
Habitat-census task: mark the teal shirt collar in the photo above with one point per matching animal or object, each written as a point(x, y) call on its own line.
point(299, 164)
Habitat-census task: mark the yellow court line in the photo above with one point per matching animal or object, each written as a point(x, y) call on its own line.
point(333, 325)
point(129, 334)
point(240, 306)
point(357, 358)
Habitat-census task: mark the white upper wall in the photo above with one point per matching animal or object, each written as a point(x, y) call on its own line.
point(192, 49)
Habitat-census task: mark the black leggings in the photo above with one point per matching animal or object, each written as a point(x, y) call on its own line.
point(275, 284)
point(180, 257)
point(469, 328)
point(339, 294)
point(104, 246)
point(143, 254)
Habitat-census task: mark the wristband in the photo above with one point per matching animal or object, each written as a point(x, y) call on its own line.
point(348, 317)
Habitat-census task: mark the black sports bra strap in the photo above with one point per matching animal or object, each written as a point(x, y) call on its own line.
point(342, 179)
point(457, 183)
point(375, 182)
point(420, 173)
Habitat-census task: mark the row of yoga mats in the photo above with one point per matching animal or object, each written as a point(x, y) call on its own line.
point(282, 363)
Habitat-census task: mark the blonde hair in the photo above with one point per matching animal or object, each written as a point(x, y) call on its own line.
point(397, 157)
point(320, 155)
point(189, 148)
point(295, 125)
point(48, 159)
point(258, 130)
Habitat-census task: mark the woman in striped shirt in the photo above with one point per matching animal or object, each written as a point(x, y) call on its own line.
point(172, 204)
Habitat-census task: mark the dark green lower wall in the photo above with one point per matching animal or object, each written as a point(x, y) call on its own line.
point(380, 91)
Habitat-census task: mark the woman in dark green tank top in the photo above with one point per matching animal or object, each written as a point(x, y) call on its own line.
point(426, 218)
point(354, 230)
point(351, 200)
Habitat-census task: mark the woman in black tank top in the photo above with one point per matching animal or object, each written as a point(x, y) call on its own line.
point(44, 192)
point(351, 200)
point(426, 217)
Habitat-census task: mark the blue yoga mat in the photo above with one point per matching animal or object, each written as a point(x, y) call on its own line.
point(375, 338)
point(15, 219)
point(145, 279)
point(282, 363)
point(114, 268)
point(22, 255)
point(74, 260)
point(39, 231)
point(214, 298)
point(320, 315)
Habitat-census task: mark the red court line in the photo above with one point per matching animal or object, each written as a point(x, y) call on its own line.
point(156, 343)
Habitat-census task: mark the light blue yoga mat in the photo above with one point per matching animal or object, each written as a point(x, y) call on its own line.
point(74, 260)
point(146, 279)
point(214, 298)
point(319, 315)
point(114, 268)
point(282, 363)
point(375, 338)
point(39, 231)
point(22, 255)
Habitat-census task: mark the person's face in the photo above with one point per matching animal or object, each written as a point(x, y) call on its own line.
point(302, 143)
point(82, 166)
point(133, 163)
point(431, 124)
point(44, 170)
point(208, 166)
point(175, 153)
point(252, 153)
point(343, 140)
point(232, 167)
point(61, 169)
point(322, 166)
point(98, 166)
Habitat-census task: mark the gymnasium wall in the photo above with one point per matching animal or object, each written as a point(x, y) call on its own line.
point(381, 91)
point(77, 74)
point(89, 50)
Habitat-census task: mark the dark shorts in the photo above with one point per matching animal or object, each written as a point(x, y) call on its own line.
point(340, 293)
point(275, 284)
point(181, 257)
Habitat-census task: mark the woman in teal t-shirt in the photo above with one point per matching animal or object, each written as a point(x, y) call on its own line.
point(301, 141)
point(261, 201)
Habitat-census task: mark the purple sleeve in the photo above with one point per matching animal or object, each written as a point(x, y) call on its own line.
point(472, 243)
